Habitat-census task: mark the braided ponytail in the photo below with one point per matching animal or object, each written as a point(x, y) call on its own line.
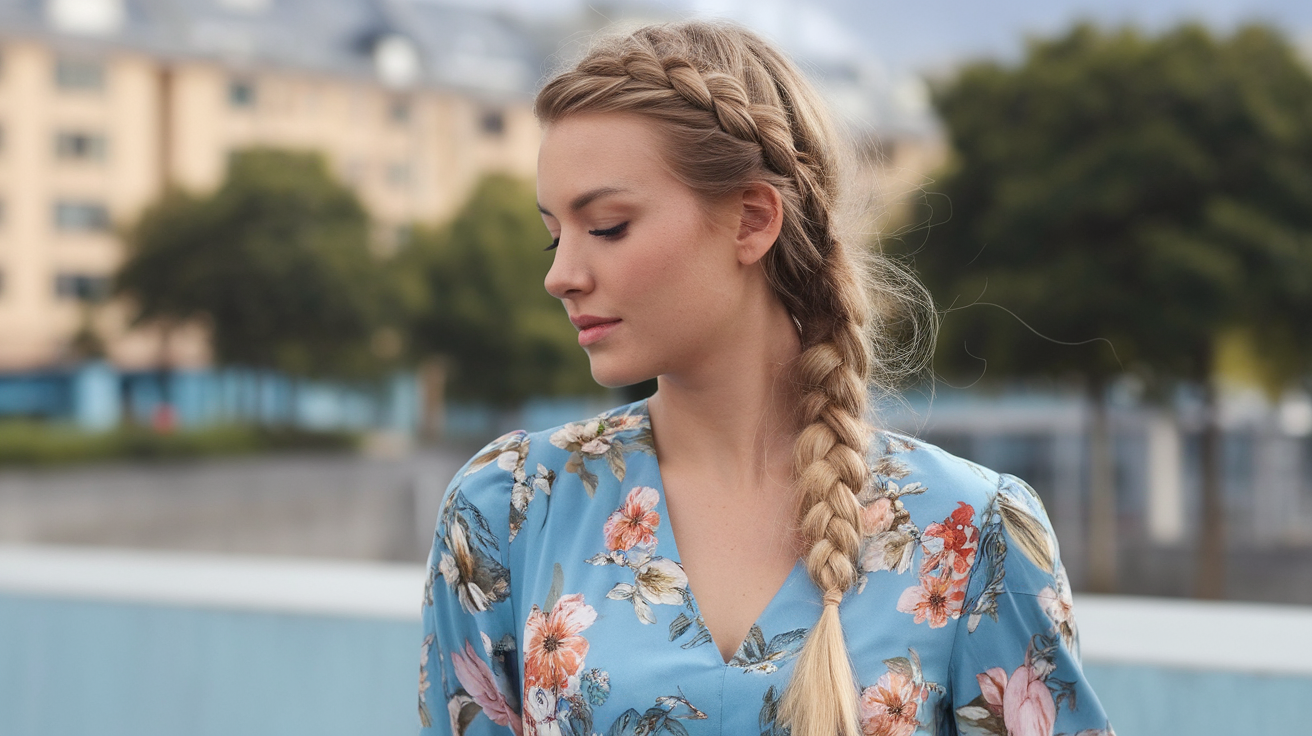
point(735, 111)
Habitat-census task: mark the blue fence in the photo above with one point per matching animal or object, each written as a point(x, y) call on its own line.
point(95, 396)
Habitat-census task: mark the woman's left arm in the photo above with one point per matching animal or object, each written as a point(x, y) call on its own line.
point(1015, 662)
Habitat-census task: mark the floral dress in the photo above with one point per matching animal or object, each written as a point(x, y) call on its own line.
point(556, 605)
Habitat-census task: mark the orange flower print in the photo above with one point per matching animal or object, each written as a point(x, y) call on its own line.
point(635, 522)
point(959, 537)
point(888, 708)
point(937, 598)
point(553, 648)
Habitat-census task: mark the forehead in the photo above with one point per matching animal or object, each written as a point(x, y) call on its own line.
point(591, 150)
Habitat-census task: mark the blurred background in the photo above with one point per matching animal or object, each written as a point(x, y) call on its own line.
point(271, 269)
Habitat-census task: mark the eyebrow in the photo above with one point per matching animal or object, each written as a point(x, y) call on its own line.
point(586, 198)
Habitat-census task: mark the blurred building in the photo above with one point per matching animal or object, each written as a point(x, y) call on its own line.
point(896, 141)
point(104, 103)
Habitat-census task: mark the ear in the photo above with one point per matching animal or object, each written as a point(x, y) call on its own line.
point(760, 219)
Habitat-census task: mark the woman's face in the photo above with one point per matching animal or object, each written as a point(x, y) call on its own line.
point(649, 273)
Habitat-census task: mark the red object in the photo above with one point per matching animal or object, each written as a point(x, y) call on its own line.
point(165, 419)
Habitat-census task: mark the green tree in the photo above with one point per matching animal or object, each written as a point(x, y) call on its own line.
point(475, 295)
point(1140, 196)
point(276, 261)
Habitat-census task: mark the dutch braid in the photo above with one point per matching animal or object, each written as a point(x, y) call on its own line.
point(736, 111)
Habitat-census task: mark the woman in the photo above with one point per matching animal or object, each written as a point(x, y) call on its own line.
point(846, 580)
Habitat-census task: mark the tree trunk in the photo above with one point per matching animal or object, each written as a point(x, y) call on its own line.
point(1210, 573)
point(433, 375)
point(1102, 545)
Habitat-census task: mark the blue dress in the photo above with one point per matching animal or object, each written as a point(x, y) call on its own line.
point(556, 604)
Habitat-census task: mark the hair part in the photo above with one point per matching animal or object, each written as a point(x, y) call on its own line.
point(734, 111)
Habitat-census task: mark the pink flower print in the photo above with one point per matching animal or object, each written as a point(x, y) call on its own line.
point(1027, 705)
point(478, 681)
point(993, 684)
point(1057, 603)
point(635, 522)
point(937, 598)
point(888, 708)
point(553, 648)
point(1023, 700)
point(877, 516)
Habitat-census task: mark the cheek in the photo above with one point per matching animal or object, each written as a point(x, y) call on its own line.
point(679, 285)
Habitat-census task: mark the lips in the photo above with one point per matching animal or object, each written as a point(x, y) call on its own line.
point(592, 328)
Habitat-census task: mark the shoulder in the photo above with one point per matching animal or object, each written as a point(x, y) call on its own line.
point(504, 476)
point(950, 504)
point(903, 466)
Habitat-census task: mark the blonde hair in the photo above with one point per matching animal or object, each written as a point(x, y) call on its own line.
point(735, 111)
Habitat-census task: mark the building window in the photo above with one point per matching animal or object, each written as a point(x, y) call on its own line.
point(353, 172)
point(80, 74)
point(72, 146)
point(399, 111)
point(492, 122)
point(82, 287)
point(398, 174)
point(75, 215)
point(241, 93)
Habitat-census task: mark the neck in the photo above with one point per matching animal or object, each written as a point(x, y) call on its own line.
point(732, 417)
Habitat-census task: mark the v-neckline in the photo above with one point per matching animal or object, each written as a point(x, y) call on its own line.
point(672, 552)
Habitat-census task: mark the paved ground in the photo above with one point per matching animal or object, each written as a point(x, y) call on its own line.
point(304, 505)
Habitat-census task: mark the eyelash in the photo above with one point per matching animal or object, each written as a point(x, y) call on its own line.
point(608, 233)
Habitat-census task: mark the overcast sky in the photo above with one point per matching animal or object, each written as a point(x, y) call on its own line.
point(926, 35)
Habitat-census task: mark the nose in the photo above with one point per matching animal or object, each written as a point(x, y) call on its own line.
point(569, 275)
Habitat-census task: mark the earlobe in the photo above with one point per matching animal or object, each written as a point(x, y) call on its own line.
point(760, 223)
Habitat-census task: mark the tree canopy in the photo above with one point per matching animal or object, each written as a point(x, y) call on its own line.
point(277, 262)
point(1153, 192)
point(474, 290)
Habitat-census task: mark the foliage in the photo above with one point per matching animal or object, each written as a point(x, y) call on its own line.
point(474, 293)
point(33, 443)
point(277, 261)
point(1155, 192)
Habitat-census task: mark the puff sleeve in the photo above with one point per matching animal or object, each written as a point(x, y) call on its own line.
point(1015, 667)
point(469, 655)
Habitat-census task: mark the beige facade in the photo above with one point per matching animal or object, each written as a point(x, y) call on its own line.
point(90, 136)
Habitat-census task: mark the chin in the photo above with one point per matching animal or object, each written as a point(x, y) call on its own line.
point(610, 372)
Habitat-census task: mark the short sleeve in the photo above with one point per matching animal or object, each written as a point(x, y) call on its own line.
point(468, 665)
point(1015, 665)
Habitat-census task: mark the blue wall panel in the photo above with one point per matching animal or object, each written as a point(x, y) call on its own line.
point(1143, 700)
point(69, 668)
point(74, 668)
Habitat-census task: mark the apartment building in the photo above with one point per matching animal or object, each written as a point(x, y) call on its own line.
point(104, 103)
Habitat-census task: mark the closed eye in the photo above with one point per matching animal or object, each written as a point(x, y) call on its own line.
point(610, 232)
